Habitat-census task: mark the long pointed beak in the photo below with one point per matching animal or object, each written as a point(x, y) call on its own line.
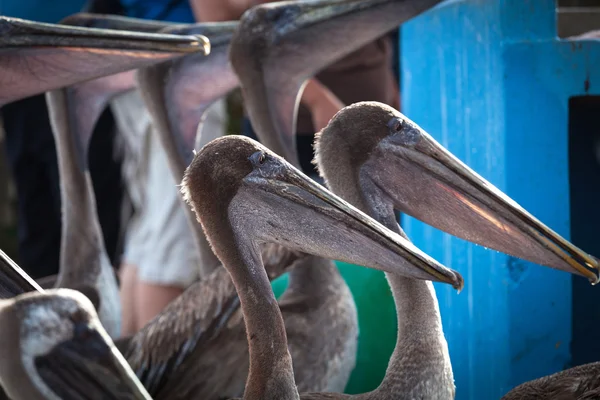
point(57, 55)
point(20, 33)
point(13, 280)
point(280, 45)
point(311, 219)
point(429, 183)
point(90, 360)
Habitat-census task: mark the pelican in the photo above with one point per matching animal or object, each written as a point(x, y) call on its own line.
point(245, 195)
point(54, 347)
point(379, 160)
point(278, 46)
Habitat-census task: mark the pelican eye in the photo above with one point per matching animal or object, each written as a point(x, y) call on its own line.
point(395, 125)
point(258, 158)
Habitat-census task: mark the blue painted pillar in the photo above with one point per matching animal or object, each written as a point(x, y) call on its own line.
point(490, 80)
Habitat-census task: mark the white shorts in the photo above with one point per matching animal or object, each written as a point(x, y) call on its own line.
point(158, 238)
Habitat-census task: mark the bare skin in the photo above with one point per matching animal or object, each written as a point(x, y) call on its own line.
point(127, 291)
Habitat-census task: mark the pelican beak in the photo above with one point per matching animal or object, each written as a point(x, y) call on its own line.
point(13, 280)
point(278, 46)
point(89, 360)
point(311, 219)
point(453, 198)
point(67, 55)
point(27, 33)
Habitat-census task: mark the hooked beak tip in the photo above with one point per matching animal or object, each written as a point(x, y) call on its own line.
point(203, 42)
point(459, 284)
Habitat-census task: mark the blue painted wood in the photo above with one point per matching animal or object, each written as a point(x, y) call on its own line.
point(491, 82)
point(40, 10)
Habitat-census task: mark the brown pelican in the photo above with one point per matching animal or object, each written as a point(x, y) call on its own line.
point(244, 195)
point(54, 347)
point(279, 45)
point(378, 160)
point(38, 57)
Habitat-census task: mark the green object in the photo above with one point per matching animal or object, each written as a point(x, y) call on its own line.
point(377, 323)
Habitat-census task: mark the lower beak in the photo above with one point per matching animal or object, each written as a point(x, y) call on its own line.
point(441, 191)
point(313, 220)
point(89, 361)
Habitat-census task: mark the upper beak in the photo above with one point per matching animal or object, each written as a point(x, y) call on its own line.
point(89, 360)
point(26, 33)
point(13, 280)
point(452, 197)
point(329, 227)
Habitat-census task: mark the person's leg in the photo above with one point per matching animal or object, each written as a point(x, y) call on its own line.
point(133, 143)
point(128, 292)
point(159, 242)
point(32, 160)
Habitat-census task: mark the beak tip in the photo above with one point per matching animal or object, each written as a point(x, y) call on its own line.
point(458, 283)
point(204, 42)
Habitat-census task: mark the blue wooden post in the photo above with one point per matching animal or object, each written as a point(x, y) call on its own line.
point(490, 80)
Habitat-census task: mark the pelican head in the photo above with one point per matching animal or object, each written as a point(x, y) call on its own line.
point(396, 160)
point(54, 345)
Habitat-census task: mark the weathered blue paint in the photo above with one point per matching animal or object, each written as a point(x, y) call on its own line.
point(491, 82)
